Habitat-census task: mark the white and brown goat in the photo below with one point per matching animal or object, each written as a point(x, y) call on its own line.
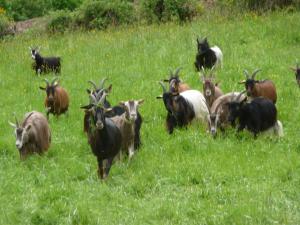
point(211, 91)
point(32, 134)
point(218, 116)
point(127, 124)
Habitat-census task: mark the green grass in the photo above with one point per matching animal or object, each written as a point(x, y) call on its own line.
point(184, 178)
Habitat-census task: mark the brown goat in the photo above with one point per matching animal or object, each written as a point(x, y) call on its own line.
point(176, 85)
point(32, 134)
point(255, 88)
point(57, 99)
point(211, 91)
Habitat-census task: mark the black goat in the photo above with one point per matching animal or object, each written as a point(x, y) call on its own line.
point(258, 115)
point(103, 135)
point(297, 73)
point(44, 64)
point(207, 56)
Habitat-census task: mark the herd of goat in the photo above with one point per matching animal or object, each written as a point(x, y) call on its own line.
point(115, 130)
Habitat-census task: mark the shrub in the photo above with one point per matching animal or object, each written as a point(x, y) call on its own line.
point(5, 25)
point(64, 4)
point(60, 21)
point(100, 14)
point(166, 10)
point(259, 4)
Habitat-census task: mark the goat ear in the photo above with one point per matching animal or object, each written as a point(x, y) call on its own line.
point(88, 91)
point(122, 103)
point(242, 81)
point(159, 97)
point(141, 101)
point(106, 110)
point(109, 88)
point(42, 88)
point(28, 127)
point(294, 69)
point(166, 80)
point(86, 106)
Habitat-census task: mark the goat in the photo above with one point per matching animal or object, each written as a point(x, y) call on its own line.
point(182, 108)
point(211, 91)
point(104, 136)
point(44, 64)
point(297, 73)
point(176, 85)
point(57, 99)
point(255, 88)
point(207, 56)
point(258, 115)
point(218, 115)
point(128, 126)
point(32, 134)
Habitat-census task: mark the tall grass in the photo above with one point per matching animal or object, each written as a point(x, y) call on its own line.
point(184, 178)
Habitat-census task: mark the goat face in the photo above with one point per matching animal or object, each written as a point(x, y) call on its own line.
point(34, 52)
point(131, 108)
point(22, 136)
point(174, 83)
point(98, 117)
point(208, 88)
point(250, 86)
point(234, 109)
point(213, 123)
point(202, 45)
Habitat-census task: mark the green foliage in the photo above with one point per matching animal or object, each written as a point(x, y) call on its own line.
point(259, 4)
point(166, 10)
point(5, 25)
point(65, 4)
point(99, 14)
point(60, 21)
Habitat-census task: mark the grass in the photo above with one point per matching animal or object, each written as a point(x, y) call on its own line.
point(185, 178)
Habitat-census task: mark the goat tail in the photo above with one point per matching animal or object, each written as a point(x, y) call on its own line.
point(279, 129)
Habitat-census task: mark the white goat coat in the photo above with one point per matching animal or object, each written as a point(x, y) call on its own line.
point(219, 55)
point(197, 100)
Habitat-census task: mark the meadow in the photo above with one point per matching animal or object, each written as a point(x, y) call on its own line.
point(184, 178)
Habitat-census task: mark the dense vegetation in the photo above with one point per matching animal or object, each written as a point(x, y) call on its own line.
point(185, 178)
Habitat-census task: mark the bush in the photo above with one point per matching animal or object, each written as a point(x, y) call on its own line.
point(101, 14)
point(5, 25)
point(259, 4)
point(59, 21)
point(166, 10)
point(64, 4)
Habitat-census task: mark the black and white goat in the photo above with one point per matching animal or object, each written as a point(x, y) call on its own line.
point(207, 56)
point(183, 107)
point(257, 116)
point(44, 64)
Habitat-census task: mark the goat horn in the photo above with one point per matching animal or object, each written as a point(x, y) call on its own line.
point(240, 95)
point(246, 74)
point(255, 72)
point(53, 80)
point(177, 71)
point(47, 82)
point(163, 86)
point(102, 99)
point(102, 82)
point(99, 94)
point(17, 123)
point(93, 99)
point(93, 83)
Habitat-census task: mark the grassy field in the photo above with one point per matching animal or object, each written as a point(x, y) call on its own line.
point(185, 178)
